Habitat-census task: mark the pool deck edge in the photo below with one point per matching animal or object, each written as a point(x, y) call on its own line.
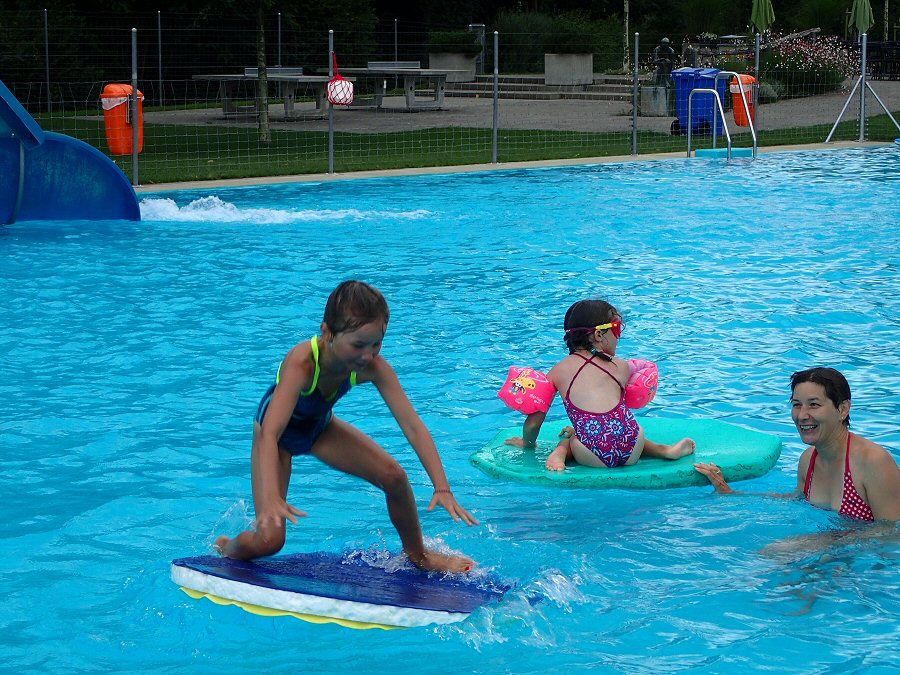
point(468, 168)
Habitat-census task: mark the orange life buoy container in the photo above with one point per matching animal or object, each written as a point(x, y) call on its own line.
point(740, 113)
point(116, 100)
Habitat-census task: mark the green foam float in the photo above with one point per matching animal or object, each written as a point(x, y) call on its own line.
point(740, 453)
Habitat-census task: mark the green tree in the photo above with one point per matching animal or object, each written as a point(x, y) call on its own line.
point(700, 16)
point(829, 15)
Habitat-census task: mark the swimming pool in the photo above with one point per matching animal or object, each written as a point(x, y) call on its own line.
point(134, 355)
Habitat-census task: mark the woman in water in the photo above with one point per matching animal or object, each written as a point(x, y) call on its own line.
point(839, 471)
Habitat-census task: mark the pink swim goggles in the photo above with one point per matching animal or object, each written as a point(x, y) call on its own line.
point(616, 327)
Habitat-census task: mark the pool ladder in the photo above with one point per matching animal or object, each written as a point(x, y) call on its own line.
point(715, 95)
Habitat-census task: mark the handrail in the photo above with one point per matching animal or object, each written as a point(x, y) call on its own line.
point(721, 111)
point(740, 82)
point(715, 93)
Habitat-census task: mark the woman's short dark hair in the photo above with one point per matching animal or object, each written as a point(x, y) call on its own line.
point(836, 386)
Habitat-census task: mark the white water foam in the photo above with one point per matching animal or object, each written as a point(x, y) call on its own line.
point(212, 209)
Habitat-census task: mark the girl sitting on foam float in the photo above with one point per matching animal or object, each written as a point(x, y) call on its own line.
point(598, 391)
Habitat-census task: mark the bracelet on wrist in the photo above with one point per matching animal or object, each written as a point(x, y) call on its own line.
point(444, 490)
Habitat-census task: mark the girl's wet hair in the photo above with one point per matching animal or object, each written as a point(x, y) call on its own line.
point(837, 389)
point(585, 314)
point(353, 304)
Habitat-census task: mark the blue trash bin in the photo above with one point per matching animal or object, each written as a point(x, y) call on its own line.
point(684, 84)
point(703, 108)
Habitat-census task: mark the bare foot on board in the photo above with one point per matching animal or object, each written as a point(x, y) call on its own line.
point(682, 448)
point(441, 562)
point(556, 460)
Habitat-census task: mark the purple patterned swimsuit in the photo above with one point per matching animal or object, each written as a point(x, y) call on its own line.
point(611, 435)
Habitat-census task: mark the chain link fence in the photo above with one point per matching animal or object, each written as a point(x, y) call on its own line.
point(201, 113)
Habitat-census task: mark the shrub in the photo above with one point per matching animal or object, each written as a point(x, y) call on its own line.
point(571, 34)
point(457, 42)
point(734, 64)
point(808, 67)
point(769, 92)
point(526, 36)
point(522, 40)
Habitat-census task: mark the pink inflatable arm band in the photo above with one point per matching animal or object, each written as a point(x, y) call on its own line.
point(527, 390)
point(642, 384)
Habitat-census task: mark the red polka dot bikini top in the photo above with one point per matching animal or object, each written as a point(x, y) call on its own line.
point(852, 504)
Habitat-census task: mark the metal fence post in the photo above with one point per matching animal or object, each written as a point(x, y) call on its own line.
point(496, 122)
point(396, 57)
point(330, 107)
point(159, 49)
point(135, 179)
point(862, 90)
point(756, 74)
point(47, 61)
point(634, 98)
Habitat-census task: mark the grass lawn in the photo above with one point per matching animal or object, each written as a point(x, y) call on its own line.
point(175, 153)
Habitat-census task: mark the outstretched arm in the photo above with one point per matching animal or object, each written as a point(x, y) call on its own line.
point(269, 484)
point(270, 470)
point(419, 438)
point(714, 474)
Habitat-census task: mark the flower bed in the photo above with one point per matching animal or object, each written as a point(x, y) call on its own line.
point(807, 67)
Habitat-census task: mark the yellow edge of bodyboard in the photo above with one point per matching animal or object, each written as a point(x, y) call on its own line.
point(268, 611)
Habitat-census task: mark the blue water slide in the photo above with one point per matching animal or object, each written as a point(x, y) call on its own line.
point(50, 176)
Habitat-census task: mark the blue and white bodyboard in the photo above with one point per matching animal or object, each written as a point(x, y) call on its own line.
point(334, 588)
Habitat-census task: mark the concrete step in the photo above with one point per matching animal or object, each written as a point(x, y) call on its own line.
point(512, 79)
point(541, 94)
point(596, 96)
point(520, 95)
point(518, 86)
point(536, 95)
point(599, 78)
point(605, 88)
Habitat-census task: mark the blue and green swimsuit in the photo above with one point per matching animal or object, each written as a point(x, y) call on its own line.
point(312, 413)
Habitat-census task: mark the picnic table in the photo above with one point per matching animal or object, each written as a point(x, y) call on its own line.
point(291, 81)
point(435, 82)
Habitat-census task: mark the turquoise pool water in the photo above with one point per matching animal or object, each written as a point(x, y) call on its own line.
point(134, 356)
